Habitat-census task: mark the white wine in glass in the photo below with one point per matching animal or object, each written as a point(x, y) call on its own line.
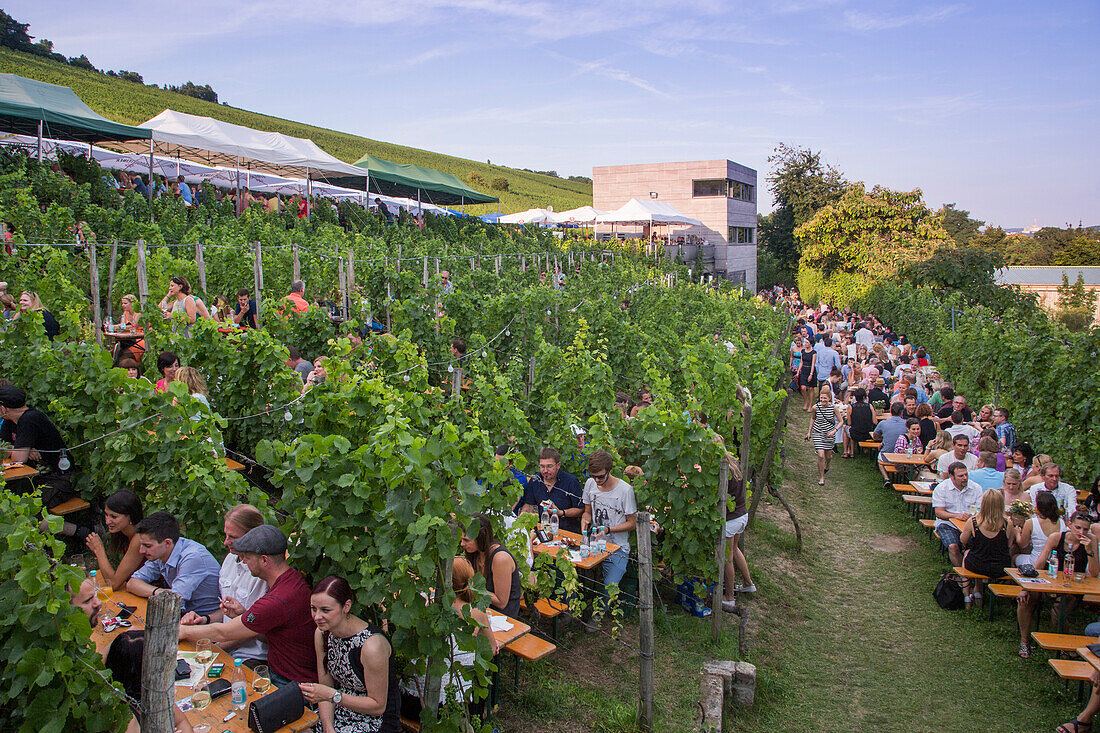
point(204, 652)
point(201, 699)
point(261, 682)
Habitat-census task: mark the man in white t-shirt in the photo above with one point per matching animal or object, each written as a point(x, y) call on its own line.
point(609, 503)
point(864, 336)
point(961, 453)
point(1064, 494)
point(958, 427)
point(956, 497)
point(239, 587)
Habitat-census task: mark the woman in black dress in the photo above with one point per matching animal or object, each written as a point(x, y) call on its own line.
point(807, 375)
point(357, 690)
point(861, 422)
point(986, 539)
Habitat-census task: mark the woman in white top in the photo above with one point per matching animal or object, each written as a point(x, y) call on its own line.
point(1030, 540)
point(179, 300)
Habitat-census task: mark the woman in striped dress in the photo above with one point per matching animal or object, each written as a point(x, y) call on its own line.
point(824, 423)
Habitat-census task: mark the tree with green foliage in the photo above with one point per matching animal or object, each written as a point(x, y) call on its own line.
point(1076, 304)
point(865, 236)
point(958, 224)
point(801, 185)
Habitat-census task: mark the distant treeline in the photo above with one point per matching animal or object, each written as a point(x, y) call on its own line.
point(15, 35)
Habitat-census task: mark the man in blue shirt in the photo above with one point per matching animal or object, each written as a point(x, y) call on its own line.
point(185, 191)
point(827, 358)
point(1006, 431)
point(185, 566)
point(986, 474)
point(560, 488)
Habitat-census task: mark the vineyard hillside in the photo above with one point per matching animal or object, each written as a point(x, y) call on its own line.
point(133, 103)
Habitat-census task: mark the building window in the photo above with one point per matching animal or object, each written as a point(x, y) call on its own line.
point(714, 187)
point(742, 191)
point(742, 235)
point(737, 277)
point(709, 187)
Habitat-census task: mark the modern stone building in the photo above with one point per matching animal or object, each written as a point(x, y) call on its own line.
point(719, 193)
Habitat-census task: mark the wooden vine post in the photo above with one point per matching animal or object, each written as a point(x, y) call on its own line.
point(142, 275)
point(158, 663)
point(258, 276)
point(434, 680)
point(425, 272)
point(200, 261)
point(342, 276)
point(720, 551)
point(296, 263)
point(112, 268)
point(93, 282)
point(646, 684)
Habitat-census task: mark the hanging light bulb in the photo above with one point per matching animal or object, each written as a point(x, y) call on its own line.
point(507, 332)
point(288, 416)
point(450, 367)
point(406, 377)
point(64, 463)
point(483, 353)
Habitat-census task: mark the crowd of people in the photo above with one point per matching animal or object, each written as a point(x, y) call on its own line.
point(863, 383)
point(254, 605)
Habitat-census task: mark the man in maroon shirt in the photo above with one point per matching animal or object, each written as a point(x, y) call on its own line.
point(282, 614)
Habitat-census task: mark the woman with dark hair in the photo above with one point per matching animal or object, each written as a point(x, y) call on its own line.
point(1031, 539)
point(922, 357)
point(356, 689)
point(1091, 504)
point(178, 299)
point(928, 429)
point(121, 513)
point(1022, 457)
point(807, 375)
point(123, 660)
point(492, 561)
point(167, 364)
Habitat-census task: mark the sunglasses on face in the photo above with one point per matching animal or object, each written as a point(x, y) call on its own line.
point(599, 476)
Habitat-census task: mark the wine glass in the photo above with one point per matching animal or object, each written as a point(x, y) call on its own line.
point(200, 694)
point(204, 652)
point(261, 682)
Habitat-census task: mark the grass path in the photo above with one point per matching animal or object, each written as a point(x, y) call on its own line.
point(847, 636)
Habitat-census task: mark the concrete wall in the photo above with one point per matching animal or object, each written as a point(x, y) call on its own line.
point(613, 186)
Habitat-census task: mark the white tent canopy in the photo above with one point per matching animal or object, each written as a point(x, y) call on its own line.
point(584, 215)
point(647, 212)
point(220, 143)
point(531, 216)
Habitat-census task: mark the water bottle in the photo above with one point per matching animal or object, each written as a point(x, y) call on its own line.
point(1067, 566)
point(555, 523)
point(544, 520)
point(93, 577)
point(585, 547)
point(240, 687)
point(1052, 565)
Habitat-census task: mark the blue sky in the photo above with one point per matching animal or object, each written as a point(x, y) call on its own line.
point(992, 106)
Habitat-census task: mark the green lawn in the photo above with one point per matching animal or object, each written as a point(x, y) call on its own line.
point(131, 103)
point(845, 635)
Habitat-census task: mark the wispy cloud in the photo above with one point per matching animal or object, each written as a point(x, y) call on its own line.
point(861, 21)
point(600, 68)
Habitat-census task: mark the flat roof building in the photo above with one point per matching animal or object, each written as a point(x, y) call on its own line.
point(719, 193)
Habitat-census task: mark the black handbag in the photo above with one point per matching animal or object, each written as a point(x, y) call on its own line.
point(948, 592)
point(272, 711)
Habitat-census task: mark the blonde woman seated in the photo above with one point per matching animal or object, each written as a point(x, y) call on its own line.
point(987, 541)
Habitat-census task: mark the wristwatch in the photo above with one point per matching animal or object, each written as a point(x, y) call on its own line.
point(336, 697)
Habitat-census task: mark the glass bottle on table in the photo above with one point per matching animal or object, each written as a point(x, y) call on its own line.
point(555, 525)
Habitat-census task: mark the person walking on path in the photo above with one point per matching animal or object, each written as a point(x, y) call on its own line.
point(824, 423)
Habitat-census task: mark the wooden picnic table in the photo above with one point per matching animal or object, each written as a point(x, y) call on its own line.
point(586, 563)
point(1043, 584)
point(922, 487)
point(219, 708)
point(1088, 656)
point(508, 635)
point(906, 459)
point(13, 471)
point(129, 334)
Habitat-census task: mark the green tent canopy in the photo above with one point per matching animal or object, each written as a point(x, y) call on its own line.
point(434, 187)
point(30, 107)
